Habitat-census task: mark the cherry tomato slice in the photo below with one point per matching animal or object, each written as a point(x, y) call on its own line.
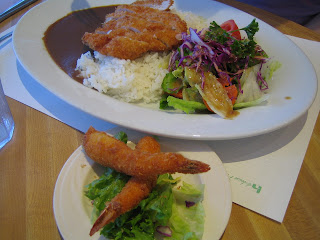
point(177, 95)
point(231, 25)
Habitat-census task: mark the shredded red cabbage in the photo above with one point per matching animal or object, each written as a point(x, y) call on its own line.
point(204, 54)
point(190, 204)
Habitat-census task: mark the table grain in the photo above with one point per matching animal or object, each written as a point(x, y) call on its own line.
point(30, 164)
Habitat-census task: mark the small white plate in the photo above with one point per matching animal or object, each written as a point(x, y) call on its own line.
point(291, 93)
point(72, 209)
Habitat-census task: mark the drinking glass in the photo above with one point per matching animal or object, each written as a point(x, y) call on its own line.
point(6, 120)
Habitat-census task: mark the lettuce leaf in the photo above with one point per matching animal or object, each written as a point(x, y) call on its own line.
point(122, 136)
point(140, 222)
point(178, 73)
point(163, 102)
point(186, 106)
point(271, 69)
point(187, 223)
point(251, 103)
point(171, 84)
point(104, 189)
point(165, 206)
point(189, 192)
point(251, 94)
point(249, 86)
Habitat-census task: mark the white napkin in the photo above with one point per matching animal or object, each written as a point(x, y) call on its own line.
point(262, 170)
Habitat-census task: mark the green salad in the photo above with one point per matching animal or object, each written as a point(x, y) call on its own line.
point(173, 210)
point(236, 62)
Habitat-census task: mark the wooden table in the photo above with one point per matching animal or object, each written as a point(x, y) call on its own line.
point(31, 162)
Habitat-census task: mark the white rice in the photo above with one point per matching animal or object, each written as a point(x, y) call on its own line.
point(130, 81)
point(135, 81)
point(194, 21)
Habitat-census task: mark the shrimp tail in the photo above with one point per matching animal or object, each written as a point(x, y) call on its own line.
point(194, 167)
point(109, 214)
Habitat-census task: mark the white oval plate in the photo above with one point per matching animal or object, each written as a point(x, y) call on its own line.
point(72, 209)
point(292, 91)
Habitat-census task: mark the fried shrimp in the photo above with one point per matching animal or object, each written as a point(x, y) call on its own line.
point(148, 144)
point(133, 192)
point(113, 153)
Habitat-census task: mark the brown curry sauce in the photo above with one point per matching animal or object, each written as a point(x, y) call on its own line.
point(62, 39)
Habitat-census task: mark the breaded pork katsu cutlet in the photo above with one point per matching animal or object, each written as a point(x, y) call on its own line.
point(137, 28)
